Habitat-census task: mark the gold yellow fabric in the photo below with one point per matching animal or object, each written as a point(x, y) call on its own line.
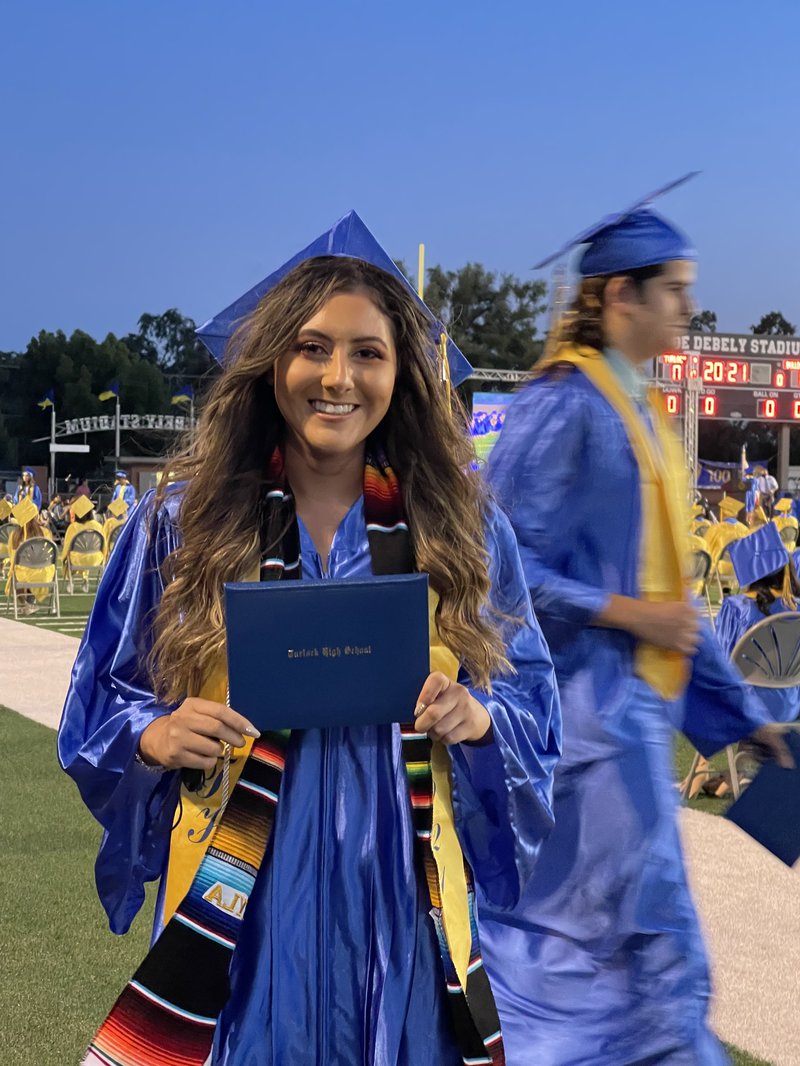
point(662, 551)
point(784, 521)
point(784, 505)
point(200, 813)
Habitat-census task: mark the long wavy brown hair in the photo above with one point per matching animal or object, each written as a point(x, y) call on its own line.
point(225, 463)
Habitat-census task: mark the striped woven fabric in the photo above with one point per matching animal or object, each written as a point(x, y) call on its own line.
point(167, 1013)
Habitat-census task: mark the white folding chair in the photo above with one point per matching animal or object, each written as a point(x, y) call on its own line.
point(767, 656)
point(87, 542)
point(37, 553)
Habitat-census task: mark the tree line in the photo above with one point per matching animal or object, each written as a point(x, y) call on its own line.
point(494, 319)
point(497, 320)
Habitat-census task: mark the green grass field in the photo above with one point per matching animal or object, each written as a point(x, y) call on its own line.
point(61, 967)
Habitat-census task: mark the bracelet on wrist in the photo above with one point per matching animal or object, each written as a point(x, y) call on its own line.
point(152, 768)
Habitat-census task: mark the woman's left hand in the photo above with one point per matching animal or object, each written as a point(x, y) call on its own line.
point(446, 711)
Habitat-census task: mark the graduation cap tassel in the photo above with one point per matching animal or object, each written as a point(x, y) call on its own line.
point(445, 363)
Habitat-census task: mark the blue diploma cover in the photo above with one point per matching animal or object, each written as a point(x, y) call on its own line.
point(315, 654)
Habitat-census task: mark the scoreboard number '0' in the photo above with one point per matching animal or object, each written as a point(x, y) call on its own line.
point(767, 408)
point(709, 406)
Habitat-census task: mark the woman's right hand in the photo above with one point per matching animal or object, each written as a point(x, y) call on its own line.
point(189, 738)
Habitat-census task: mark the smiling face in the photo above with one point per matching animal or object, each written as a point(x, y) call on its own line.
point(335, 385)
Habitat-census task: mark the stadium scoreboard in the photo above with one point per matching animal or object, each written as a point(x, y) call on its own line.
point(741, 376)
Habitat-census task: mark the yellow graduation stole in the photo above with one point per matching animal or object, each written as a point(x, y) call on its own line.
point(662, 554)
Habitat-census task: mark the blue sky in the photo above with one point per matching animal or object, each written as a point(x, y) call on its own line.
point(170, 154)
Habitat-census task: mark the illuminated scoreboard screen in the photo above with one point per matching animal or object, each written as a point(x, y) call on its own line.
point(741, 377)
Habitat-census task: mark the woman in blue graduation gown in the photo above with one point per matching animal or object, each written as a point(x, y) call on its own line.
point(337, 962)
point(602, 961)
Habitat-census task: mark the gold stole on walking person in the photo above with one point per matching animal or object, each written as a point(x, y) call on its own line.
point(662, 557)
point(198, 813)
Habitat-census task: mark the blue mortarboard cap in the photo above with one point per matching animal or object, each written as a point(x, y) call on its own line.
point(27, 470)
point(758, 554)
point(349, 237)
point(120, 473)
point(630, 239)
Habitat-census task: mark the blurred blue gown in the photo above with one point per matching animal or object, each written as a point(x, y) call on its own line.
point(736, 616)
point(602, 962)
point(337, 962)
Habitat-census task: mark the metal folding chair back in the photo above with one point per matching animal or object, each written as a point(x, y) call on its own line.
point(112, 537)
point(87, 542)
point(36, 553)
point(789, 537)
point(700, 566)
point(768, 655)
point(5, 535)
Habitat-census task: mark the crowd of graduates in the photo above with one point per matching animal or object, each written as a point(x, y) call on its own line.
point(23, 520)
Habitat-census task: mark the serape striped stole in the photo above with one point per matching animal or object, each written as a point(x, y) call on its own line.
point(167, 1014)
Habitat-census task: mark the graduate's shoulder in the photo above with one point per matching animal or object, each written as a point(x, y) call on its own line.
point(158, 512)
point(559, 387)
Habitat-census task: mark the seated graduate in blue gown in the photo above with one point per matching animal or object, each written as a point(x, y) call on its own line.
point(331, 446)
point(768, 586)
point(602, 962)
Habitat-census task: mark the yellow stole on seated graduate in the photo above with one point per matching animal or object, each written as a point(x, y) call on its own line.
point(200, 812)
point(662, 554)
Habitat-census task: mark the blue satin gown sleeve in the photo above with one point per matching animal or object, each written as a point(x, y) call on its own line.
point(503, 789)
point(718, 708)
point(540, 488)
point(108, 705)
point(37, 497)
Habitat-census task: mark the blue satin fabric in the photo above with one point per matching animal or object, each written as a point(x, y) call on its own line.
point(736, 616)
point(337, 962)
point(37, 496)
point(602, 961)
point(126, 493)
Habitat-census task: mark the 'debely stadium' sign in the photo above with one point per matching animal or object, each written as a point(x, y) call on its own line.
point(103, 423)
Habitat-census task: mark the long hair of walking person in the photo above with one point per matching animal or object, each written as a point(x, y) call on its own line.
point(225, 463)
point(582, 324)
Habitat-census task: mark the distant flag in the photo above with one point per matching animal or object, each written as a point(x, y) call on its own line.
point(48, 400)
point(110, 392)
point(183, 395)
